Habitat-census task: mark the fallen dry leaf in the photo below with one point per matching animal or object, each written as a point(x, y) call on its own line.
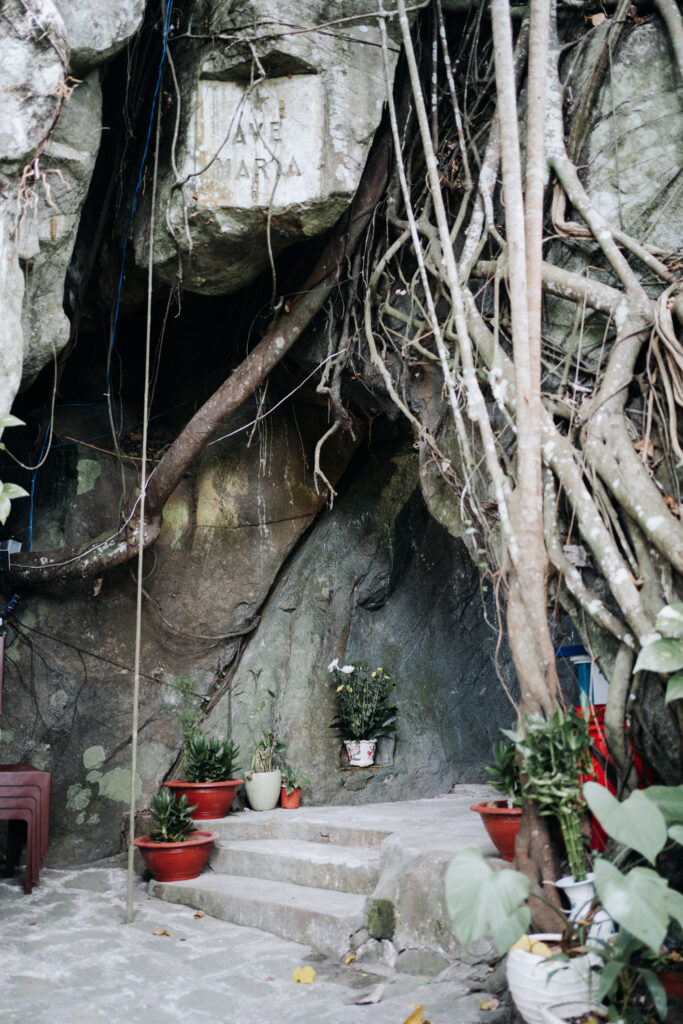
point(350, 958)
point(200, 913)
point(97, 586)
point(489, 1004)
point(596, 19)
point(416, 1017)
point(161, 931)
point(304, 975)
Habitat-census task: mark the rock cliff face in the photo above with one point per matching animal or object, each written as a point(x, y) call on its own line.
point(254, 586)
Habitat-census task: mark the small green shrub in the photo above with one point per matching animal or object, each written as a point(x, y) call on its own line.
point(172, 821)
point(209, 760)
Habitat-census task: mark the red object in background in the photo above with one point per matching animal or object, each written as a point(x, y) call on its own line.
point(604, 771)
point(25, 797)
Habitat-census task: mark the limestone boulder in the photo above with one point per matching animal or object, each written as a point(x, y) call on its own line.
point(48, 227)
point(266, 139)
point(98, 31)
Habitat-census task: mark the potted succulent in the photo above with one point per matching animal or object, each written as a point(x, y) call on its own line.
point(292, 781)
point(501, 818)
point(208, 781)
point(364, 709)
point(174, 850)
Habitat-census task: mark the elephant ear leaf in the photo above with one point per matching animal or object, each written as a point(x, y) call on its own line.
point(641, 901)
point(636, 822)
point(674, 688)
point(482, 901)
point(662, 656)
point(670, 620)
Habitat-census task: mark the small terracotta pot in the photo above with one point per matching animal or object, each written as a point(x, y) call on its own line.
point(290, 800)
point(213, 799)
point(502, 824)
point(175, 862)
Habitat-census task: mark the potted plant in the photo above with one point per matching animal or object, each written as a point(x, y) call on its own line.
point(292, 781)
point(208, 780)
point(174, 850)
point(264, 782)
point(555, 759)
point(501, 818)
point(364, 708)
point(541, 969)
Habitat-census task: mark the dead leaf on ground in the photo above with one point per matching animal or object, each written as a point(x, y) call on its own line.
point(200, 913)
point(489, 1004)
point(371, 997)
point(416, 1017)
point(161, 931)
point(97, 586)
point(350, 958)
point(596, 19)
point(304, 975)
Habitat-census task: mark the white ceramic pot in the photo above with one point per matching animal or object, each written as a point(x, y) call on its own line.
point(536, 983)
point(263, 789)
point(361, 752)
point(580, 896)
point(560, 1013)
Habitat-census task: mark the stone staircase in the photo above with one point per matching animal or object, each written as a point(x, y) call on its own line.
point(309, 875)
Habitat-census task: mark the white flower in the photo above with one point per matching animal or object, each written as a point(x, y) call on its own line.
point(347, 669)
point(333, 665)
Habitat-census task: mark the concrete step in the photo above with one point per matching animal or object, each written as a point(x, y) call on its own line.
point(350, 869)
point(315, 917)
point(284, 824)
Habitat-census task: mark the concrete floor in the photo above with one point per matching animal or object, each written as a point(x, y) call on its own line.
point(68, 958)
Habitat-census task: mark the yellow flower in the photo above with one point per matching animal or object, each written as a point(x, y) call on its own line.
point(380, 669)
point(349, 689)
point(340, 687)
point(373, 675)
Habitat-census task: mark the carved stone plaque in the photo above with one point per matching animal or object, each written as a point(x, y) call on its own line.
point(261, 144)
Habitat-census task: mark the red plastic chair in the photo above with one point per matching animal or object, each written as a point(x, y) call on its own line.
point(14, 812)
point(25, 796)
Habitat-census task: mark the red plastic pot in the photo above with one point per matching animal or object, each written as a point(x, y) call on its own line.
point(502, 824)
point(672, 983)
point(175, 862)
point(290, 800)
point(213, 799)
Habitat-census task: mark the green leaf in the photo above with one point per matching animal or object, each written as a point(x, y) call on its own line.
point(608, 976)
point(637, 822)
point(5, 508)
point(670, 620)
point(676, 833)
point(638, 901)
point(656, 990)
point(669, 800)
point(661, 656)
point(674, 688)
point(482, 901)
point(14, 491)
point(8, 420)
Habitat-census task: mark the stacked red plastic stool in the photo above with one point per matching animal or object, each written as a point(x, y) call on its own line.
point(25, 797)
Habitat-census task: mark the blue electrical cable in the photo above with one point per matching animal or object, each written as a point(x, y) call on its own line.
point(137, 188)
